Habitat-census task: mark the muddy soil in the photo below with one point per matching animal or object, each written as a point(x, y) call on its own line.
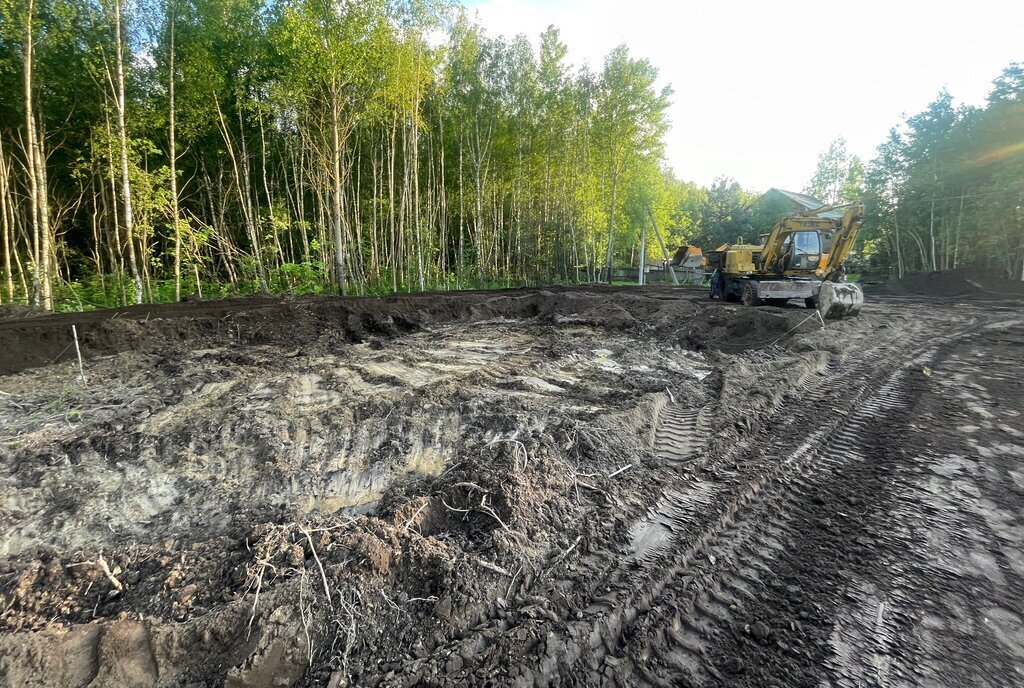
point(576, 486)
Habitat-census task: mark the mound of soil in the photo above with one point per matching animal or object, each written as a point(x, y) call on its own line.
point(319, 323)
point(11, 311)
point(965, 282)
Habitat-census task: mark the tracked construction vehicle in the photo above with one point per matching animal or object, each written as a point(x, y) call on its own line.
point(802, 257)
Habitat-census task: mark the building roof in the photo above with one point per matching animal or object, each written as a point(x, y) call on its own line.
point(805, 201)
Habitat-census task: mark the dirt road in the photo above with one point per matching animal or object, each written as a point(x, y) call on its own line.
point(566, 486)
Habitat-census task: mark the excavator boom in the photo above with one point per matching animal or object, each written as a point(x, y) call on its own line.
point(843, 240)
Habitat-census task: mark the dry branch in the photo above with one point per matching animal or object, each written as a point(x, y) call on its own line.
point(414, 516)
point(323, 574)
point(621, 470)
point(494, 567)
point(561, 557)
point(110, 576)
point(520, 448)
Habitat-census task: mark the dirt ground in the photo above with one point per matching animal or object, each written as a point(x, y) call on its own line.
point(571, 486)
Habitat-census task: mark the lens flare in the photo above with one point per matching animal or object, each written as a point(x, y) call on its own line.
point(999, 154)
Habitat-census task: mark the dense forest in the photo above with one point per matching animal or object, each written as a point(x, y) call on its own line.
point(155, 150)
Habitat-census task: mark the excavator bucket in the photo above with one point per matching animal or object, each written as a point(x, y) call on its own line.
point(839, 299)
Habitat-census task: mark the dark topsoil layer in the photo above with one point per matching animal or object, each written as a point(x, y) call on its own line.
point(513, 565)
point(28, 342)
point(965, 282)
point(413, 580)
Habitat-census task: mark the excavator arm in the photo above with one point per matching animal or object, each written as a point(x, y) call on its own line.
point(843, 241)
point(773, 245)
point(844, 234)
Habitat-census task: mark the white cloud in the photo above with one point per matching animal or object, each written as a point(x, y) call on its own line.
point(762, 87)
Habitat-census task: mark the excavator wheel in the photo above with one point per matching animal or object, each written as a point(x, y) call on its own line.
point(750, 296)
point(810, 302)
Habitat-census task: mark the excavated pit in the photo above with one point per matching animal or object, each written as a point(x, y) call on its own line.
point(161, 446)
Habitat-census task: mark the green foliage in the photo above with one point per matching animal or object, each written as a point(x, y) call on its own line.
point(839, 176)
point(315, 136)
point(472, 162)
point(944, 190)
point(767, 211)
point(725, 216)
point(298, 278)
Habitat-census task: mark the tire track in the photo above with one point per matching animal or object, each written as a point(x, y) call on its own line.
point(743, 557)
point(682, 434)
point(950, 511)
point(686, 526)
point(716, 511)
point(678, 530)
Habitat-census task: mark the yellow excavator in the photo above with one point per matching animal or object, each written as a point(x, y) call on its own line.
point(802, 257)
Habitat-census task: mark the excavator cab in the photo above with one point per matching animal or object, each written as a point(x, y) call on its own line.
point(800, 251)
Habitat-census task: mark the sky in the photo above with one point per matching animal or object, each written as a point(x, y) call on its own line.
point(761, 88)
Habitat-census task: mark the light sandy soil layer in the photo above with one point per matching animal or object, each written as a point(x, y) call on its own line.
point(568, 486)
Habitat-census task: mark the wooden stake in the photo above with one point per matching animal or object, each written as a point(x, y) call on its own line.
point(78, 351)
